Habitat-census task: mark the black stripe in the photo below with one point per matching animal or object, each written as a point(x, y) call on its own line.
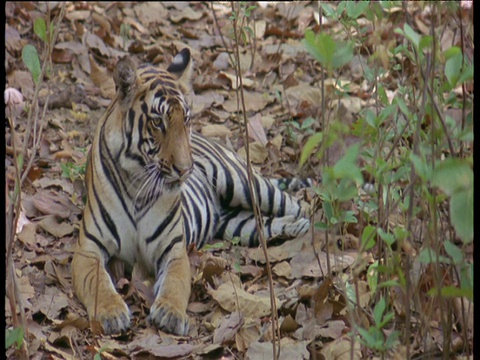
point(227, 196)
point(271, 197)
point(268, 226)
point(174, 241)
point(97, 225)
point(107, 219)
point(164, 223)
point(112, 179)
point(225, 219)
point(96, 241)
point(240, 225)
point(253, 241)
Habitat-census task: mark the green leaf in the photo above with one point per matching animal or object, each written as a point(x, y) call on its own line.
point(349, 217)
point(452, 291)
point(370, 118)
point(13, 336)
point(388, 283)
point(392, 339)
point(453, 175)
point(467, 74)
point(347, 166)
point(453, 66)
point(328, 10)
point(425, 42)
point(372, 276)
point(387, 237)
point(311, 144)
point(355, 9)
point(40, 28)
point(321, 47)
point(368, 338)
point(428, 256)
point(461, 214)
point(321, 225)
point(411, 35)
point(248, 11)
point(368, 237)
point(454, 252)
point(452, 51)
point(346, 189)
point(422, 169)
point(379, 310)
point(386, 319)
point(32, 61)
point(343, 54)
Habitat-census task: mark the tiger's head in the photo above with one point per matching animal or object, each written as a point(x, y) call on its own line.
point(156, 153)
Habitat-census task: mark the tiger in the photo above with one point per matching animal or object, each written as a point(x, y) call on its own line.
point(154, 187)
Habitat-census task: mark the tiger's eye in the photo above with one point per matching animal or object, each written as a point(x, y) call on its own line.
point(158, 123)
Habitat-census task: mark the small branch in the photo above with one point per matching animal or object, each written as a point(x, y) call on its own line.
point(254, 195)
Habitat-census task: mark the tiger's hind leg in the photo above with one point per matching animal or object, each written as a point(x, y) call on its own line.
point(95, 289)
point(242, 224)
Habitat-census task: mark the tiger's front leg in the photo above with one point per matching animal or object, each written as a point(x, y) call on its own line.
point(95, 289)
point(172, 292)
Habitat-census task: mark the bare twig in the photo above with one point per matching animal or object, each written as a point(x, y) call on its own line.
point(33, 117)
point(221, 34)
point(254, 195)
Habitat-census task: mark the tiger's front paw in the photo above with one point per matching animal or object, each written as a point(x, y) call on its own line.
point(113, 314)
point(167, 317)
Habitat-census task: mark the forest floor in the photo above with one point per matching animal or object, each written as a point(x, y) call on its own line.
point(230, 305)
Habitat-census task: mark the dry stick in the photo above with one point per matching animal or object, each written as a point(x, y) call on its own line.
point(464, 86)
point(322, 90)
point(221, 34)
point(413, 177)
point(13, 293)
point(446, 324)
point(256, 212)
point(460, 154)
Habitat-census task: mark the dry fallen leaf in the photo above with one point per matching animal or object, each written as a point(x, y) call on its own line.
point(102, 79)
point(52, 225)
point(322, 308)
point(232, 298)
point(50, 304)
point(290, 349)
point(255, 129)
point(215, 130)
point(340, 349)
point(258, 153)
point(205, 100)
point(304, 264)
point(289, 324)
point(225, 332)
point(275, 254)
point(282, 269)
point(235, 81)
point(254, 101)
point(332, 329)
point(187, 13)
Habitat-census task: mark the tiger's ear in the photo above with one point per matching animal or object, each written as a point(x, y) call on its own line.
point(125, 76)
point(182, 68)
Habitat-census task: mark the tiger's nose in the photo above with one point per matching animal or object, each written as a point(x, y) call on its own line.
point(184, 170)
